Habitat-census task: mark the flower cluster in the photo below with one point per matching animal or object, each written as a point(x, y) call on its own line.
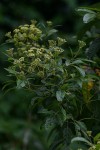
point(30, 55)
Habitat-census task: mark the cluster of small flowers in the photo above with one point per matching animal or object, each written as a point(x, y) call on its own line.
point(81, 44)
point(28, 55)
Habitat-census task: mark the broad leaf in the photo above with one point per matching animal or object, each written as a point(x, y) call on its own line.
point(20, 83)
point(77, 62)
point(52, 31)
point(11, 71)
point(81, 71)
point(60, 95)
point(89, 17)
point(50, 123)
point(97, 137)
point(67, 62)
point(81, 139)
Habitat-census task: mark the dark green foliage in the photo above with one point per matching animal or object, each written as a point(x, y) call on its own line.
point(91, 17)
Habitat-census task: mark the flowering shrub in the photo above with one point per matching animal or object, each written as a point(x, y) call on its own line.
point(31, 57)
point(62, 87)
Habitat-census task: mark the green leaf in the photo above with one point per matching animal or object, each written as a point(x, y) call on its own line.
point(77, 62)
point(81, 139)
point(89, 17)
point(67, 63)
point(81, 71)
point(82, 125)
point(89, 61)
point(94, 48)
point(60, 95)
point(82, 11)
point(50, 123)
point(20, 83)
point(64, 114)
point(11, 71)
point(52, 31)
point(97, 137)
